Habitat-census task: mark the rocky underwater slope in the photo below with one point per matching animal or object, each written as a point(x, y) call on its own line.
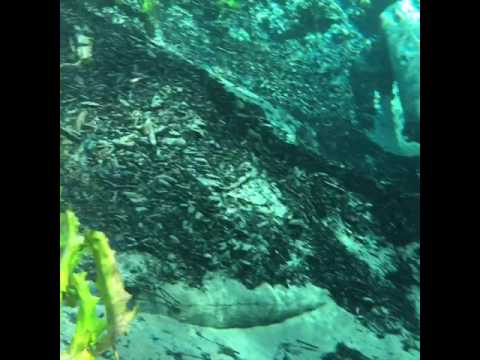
point(252, 216)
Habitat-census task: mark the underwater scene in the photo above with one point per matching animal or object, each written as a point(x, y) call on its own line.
point(240, 179)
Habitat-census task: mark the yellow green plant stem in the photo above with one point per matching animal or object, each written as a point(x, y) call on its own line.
point(93, 335)
point(89, 326)
point(110, 286)
point(71, 243)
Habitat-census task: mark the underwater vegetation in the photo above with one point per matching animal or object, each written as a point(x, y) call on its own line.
point(93, 334)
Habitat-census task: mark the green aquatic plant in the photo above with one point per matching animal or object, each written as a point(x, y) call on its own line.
point(93, 335)
point(231, 4)
point(149, 5)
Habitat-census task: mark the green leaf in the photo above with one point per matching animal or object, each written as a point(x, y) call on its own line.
point(89, 327)
point(71, 246)
point(93, 335)
point(111, 288)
